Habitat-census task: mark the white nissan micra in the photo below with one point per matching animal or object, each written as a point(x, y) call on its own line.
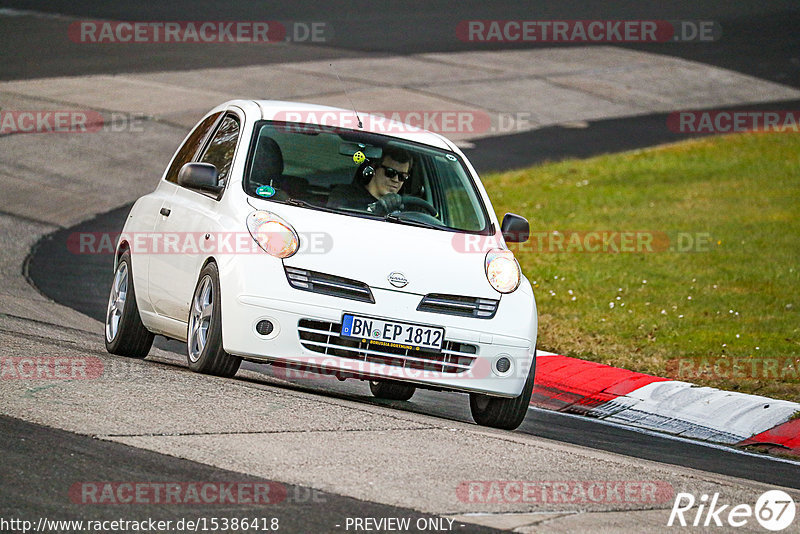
point(314, 238)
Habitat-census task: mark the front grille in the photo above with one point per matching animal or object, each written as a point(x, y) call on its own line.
point(457, 305)
point(327, 284)
point(323, 337)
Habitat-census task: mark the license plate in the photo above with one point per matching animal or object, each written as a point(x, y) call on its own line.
point(393, 333)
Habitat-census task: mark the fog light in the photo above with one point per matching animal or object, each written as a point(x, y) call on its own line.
point(502, 365)
point(264, 327)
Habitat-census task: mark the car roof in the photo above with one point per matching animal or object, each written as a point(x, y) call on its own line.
point(303, 112)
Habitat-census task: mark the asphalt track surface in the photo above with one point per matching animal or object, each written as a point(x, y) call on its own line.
point(32, 488)
point(757, 41)
point(757, 37)
point(81, 281)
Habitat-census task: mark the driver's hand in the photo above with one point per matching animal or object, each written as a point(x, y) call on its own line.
point(387, 204)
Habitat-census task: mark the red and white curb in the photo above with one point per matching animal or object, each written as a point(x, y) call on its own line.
point(663, 405)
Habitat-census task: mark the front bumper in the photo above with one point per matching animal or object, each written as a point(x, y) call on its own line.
point(306, 335)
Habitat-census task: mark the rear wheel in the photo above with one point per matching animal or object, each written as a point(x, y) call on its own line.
point(204, 337)
point(391, 390)
point(125, 333)
point(500, 412)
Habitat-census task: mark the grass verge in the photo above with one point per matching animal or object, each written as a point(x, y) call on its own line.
point(680, 260)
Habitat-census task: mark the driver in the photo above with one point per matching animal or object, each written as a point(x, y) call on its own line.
point(380, 195)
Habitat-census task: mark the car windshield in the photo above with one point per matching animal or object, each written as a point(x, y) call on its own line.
point(332, 169)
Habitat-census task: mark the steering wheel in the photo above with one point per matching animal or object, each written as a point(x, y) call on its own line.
point(410, 200)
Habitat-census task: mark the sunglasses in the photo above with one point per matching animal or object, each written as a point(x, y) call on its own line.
point(391, 173)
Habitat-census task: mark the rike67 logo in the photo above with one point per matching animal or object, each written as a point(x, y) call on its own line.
point(774, 510)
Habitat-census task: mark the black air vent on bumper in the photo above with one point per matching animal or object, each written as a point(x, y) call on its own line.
point(328, 284)
point(457, 305)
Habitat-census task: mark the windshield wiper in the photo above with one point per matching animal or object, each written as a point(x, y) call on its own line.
point(305, 204)
point(413, 222)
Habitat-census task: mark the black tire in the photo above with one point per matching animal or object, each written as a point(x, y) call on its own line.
point(125, 335)
point(208, 357)
point(391, 390)
point(498, 412)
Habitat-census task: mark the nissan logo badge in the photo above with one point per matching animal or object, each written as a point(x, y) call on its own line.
point(398, 279)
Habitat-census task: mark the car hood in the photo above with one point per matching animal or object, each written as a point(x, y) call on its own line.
point(372, 251)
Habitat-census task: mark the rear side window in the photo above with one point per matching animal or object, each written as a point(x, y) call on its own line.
point(222, 147)
point(190, 147)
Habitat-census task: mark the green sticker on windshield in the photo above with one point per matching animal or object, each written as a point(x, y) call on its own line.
point(265, 191)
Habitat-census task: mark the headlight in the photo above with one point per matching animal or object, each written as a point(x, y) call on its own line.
point(502, 270)
point(273, 234)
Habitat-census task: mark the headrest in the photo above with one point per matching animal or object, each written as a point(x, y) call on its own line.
point(267, 161)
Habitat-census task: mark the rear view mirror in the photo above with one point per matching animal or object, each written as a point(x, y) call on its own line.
point(202, 176)
point(515, 228)
point(371, 152)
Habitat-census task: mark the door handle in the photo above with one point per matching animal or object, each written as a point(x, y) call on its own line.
point(165, 212)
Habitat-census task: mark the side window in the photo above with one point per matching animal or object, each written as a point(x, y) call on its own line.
point(190, 147)
point(222, 146)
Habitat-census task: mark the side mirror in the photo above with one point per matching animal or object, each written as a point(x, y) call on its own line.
point(202, 176)
point(515, 228)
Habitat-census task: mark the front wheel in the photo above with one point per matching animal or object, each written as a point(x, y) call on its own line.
point(500, 412)
point(125, 333)
point(391, 390)
point(204, 337)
